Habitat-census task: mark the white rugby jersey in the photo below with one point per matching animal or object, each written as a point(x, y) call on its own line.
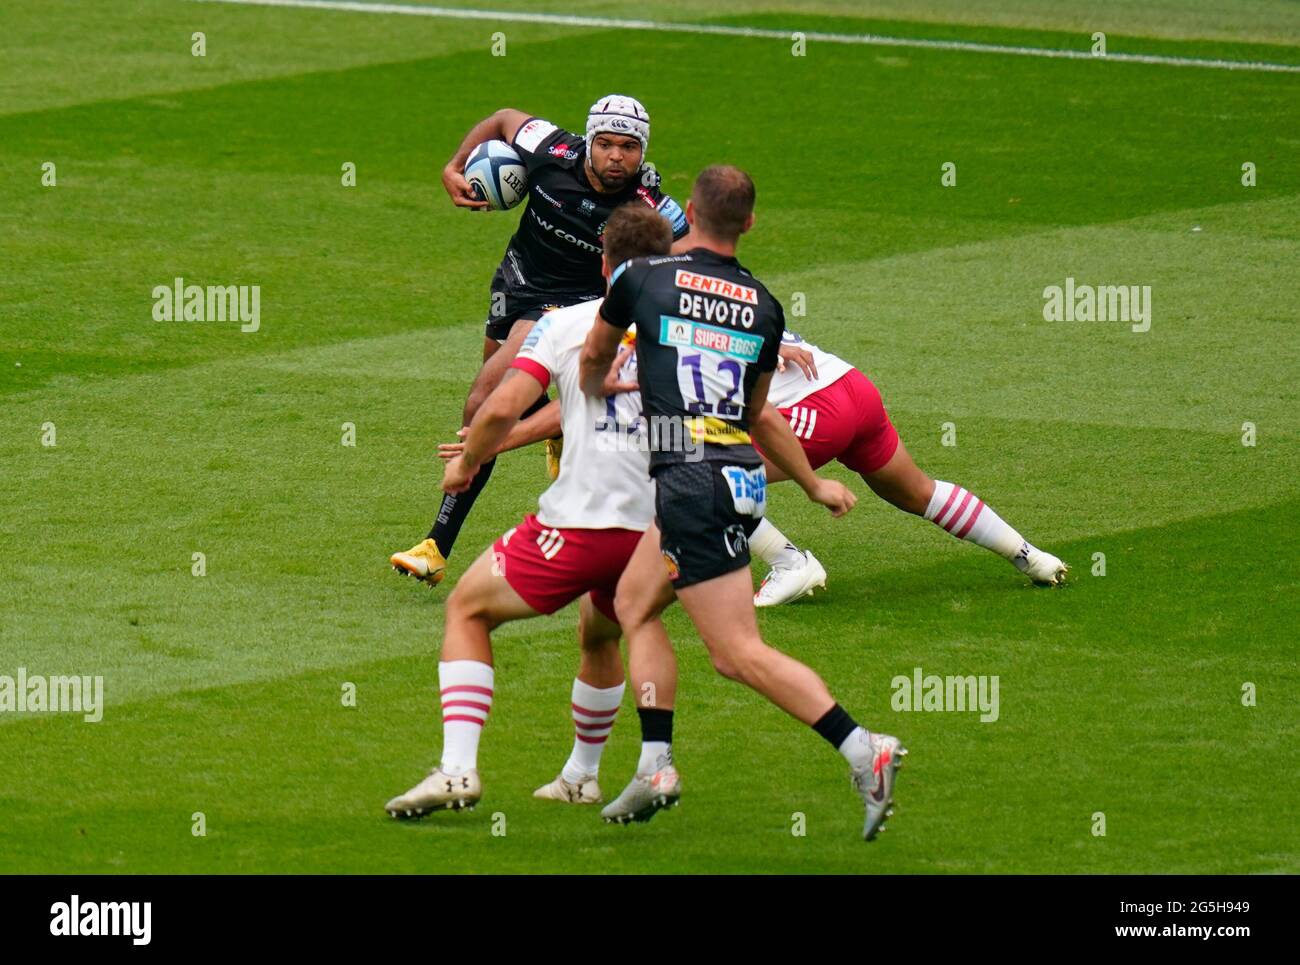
point(792, 386)
point(604, 480)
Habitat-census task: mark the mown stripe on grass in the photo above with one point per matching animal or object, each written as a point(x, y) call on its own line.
point(764, 33)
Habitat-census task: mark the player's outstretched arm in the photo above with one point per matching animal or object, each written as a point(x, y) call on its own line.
point(494, 419)
point(780, 446)
point(542, 424)
point(596, 372)
point(501, 126)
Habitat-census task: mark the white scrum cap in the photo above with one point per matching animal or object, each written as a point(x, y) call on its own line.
point(618, 114)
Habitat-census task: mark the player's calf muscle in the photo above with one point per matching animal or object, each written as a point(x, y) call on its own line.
point(902, 483)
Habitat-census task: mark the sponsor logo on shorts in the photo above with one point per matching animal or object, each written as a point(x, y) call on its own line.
point(748, 489)
point(670, 561)
point(735, 540)
point(551, 542)
point(803, 421)
point(687, 334)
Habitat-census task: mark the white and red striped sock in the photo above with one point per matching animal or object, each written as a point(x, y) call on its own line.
point(594, 710)
point(965, 515)
point(465, 687)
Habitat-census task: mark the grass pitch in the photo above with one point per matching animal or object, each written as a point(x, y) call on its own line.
point(1120, 694)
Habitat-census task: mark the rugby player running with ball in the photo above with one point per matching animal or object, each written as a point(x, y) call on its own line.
point(553, 259)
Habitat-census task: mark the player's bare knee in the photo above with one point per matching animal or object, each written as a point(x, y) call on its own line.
point(457, 608)
point(734, 663)
point(725, 665)
point(630, 612)
point(465, 605)
point(743, 662)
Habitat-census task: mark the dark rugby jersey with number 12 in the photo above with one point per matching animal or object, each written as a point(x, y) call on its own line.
point(706, 329)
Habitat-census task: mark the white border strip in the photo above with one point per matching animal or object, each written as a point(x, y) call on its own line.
point(872, 40)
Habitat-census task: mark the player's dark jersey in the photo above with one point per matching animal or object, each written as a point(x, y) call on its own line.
point(554, 256)
point(706, 329)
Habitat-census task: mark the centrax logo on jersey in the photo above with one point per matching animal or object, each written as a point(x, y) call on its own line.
point(716, 286)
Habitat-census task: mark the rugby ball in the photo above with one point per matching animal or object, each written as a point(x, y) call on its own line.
point(497, 175)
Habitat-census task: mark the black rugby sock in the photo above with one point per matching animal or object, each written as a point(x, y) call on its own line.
point(455, 510)
point(836, 725)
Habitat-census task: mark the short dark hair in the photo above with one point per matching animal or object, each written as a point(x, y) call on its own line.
point(723, 199)
point(636, 231)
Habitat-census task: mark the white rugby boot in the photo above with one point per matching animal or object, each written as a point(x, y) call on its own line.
point(784, 584)
point(644, 796)
point(585, 790)
point(438, 791)
point(1042, 568)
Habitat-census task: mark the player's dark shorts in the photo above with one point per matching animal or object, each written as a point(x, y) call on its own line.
point(508, 306)
point(706, 511)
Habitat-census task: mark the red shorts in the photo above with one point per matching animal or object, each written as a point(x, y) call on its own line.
point(550, 568)
point(845, 421)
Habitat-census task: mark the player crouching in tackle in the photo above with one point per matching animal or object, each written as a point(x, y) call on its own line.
point(836, 412)
point(705, 364)
point(587, 525)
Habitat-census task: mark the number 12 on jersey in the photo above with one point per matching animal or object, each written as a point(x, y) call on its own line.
point(708, 385)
